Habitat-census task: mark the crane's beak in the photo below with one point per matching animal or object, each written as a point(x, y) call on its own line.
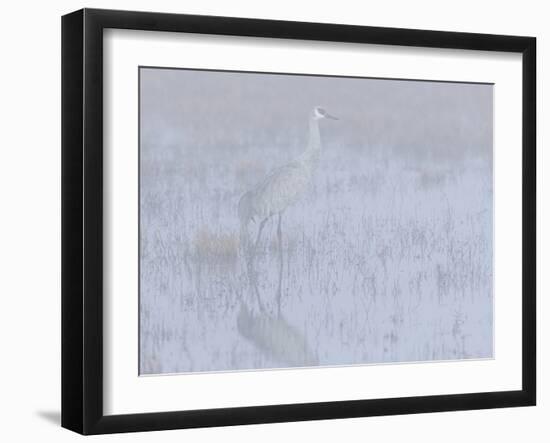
point(332, 117)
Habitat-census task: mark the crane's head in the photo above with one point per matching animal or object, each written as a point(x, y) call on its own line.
point(319, 113)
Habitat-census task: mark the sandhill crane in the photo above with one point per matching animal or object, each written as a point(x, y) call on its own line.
point(281, 188)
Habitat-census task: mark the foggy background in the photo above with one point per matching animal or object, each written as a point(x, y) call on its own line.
point(416, 119)
point(387, 259)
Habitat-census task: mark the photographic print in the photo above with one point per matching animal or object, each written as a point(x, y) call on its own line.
point(303, 221)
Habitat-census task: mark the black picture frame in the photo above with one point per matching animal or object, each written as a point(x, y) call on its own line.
point(82, 220)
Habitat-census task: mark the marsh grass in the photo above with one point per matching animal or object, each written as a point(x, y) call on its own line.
point(381, 262)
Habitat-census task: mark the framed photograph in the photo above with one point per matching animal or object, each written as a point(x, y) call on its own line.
point(269, 221)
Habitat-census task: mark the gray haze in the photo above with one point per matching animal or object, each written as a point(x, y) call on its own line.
point(386, 258)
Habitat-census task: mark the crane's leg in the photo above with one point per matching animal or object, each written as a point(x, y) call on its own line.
point(252, 274)
point(253, 279)
point(280, 250)
point(260, 229)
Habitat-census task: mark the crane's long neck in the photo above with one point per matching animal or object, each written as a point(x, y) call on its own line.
point(314, 135)
point(311, 155)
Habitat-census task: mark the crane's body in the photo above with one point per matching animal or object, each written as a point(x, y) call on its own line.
point(281, 188)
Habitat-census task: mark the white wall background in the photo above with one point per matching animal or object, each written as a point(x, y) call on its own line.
point(30, 218)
